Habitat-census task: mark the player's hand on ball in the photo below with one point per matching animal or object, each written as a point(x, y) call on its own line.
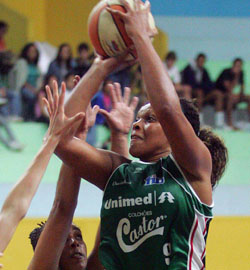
point(121, 117)
point(106, 66)
point(60, 125)
point(136, 20)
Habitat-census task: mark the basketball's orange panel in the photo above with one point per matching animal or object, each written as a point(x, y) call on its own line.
point(121, 27)
point(93, 28)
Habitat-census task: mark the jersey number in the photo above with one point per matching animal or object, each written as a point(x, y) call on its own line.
point(167, 252)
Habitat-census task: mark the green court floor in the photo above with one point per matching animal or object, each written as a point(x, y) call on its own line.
point(13, 164)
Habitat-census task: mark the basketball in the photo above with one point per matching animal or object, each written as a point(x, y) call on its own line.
point(107, 32)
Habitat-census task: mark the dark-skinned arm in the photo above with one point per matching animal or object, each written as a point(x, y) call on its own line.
point(52, 241)
point(189, 151)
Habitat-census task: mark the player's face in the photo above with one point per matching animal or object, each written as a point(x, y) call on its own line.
point(74, 255)
point(148, 141)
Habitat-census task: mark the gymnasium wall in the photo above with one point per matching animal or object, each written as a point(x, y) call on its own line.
point(18, 31)
point(67, 21)
point(34, 14)
point(53, 21)
point(219, 28)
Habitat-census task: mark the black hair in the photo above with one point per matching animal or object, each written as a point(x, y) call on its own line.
point(238, 59)
point(46, 82)
point(213, 142)
point(24, 53)
point(68, 75)
point(201, 55)
point(35, 234)
point(58, 57)
point(47, 78)
point(82, 46)
point(171, 56)
point(3, 24)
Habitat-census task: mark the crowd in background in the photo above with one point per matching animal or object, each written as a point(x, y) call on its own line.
point(22, 85)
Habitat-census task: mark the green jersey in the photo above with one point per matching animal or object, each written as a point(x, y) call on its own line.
point(152, 219)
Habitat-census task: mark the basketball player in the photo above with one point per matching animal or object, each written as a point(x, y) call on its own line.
point(156, 211)
point(64, 247)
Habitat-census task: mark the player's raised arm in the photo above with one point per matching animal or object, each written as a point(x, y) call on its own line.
point(52, 240)
point(189, 151)
point(18, 201)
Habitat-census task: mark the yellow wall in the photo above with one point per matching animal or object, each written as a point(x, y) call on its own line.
point(67, 21)
point(228, 243)
point(17, 35)
point(161, 43)
point(34, 11)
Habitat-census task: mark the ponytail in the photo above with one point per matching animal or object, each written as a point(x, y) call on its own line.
point(213, 142)
point(218, 153)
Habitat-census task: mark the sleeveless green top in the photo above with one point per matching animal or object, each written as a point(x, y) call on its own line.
point(152, 219)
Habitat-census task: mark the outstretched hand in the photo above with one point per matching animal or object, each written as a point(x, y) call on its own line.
point(136, 20)
point(87, 122)
point(60, 125)
point(121, 117)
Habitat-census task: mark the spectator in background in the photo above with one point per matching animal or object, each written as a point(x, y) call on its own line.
point(226, 82)
point(103, 100)
point(173, 72)
point(196, 76)
point(82, 63)
point(25, 80)
point(69, 81)
point(63, 64)
point(123, 77)
point(138, 88)
point(8, 138)
point(41, 112)
point(3, 30)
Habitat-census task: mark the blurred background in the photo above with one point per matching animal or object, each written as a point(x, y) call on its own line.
point(195, 37)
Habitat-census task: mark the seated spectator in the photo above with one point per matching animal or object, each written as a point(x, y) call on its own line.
point(3, 101)
point(82, 63)
point(7, 137)
point(3, 31)
point(123, 77)
point(63, 64)
point(25, 80)
point(69, 81)
point(173, 72)
point(196, 76)
point(226, 82)
point(41, 112)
